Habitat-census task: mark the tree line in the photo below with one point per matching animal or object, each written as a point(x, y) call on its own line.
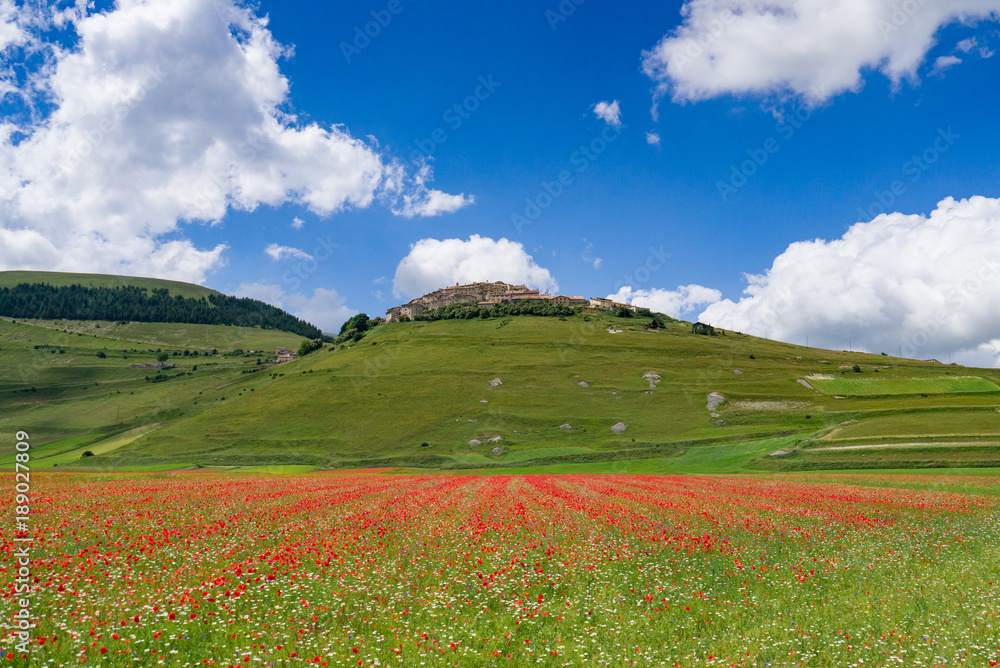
point(137, 304)
point(469, 312)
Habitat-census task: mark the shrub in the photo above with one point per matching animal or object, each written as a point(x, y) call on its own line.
point(309, 346)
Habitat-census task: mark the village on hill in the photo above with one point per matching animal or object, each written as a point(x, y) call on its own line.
point(488, 295)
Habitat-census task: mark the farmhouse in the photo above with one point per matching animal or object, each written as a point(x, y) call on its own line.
point(610, 305)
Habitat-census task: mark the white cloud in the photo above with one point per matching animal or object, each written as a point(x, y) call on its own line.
point(675, 303)
point(590, 259)
point(427, 202)
point(11, 31)
point(265, 292)
point(944, 62)
point(815, 49)
point(609, 112)
point(298, 223)
point(926, 284)
point(325, 309)
point(653, 138)
point(967, 45)
point(436, 263)
point(278, 252)
point(166, 112)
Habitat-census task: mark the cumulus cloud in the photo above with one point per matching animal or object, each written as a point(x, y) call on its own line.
point(653, 138)
point(436, 263)
point(609, 112)
point(278, 252)
point(325, 309)
point(298, 223)
point(162, 113)
point(675, 303)
point(926, 285)
point(815, 49)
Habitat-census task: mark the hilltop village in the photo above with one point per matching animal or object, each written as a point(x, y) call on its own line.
point(489, 295)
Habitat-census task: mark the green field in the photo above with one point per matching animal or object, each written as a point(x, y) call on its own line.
point(418, 396)
point(9, 279)
point(868, 387)
point(234, 569)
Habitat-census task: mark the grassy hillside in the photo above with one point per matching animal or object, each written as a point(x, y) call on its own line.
point(420, 395)
point(9, 279)
point(54, 385)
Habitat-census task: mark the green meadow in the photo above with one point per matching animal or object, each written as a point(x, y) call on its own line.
point(425, 396)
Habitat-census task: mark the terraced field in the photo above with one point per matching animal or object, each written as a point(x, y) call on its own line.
point(870, 387)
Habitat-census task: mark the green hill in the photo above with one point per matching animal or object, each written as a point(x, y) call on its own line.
point(9, 279)
point(419, 395)
point(118, 298)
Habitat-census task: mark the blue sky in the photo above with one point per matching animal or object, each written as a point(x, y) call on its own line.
point(832, 119)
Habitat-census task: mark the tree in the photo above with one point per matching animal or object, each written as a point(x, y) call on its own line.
point(162, 357)
point(360, 322)
point(856, 369)
point(623, 312)
point(101, 354)
point(308, 346)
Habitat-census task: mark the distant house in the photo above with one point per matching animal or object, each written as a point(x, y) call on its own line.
point(703, 329)
point(601, 303)
point(564, 300)
point(281, 350)
point(610, 305)
point(286, 357)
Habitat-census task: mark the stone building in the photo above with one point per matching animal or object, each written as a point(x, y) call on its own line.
point(489, 295)
point(473, 293)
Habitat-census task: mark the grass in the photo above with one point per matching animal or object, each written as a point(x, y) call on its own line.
point(9, 279)
point(274, 470)
point(239, 569)
point(414, 395)
point(54, 385)
point(866, 387)
point(176, 336)
point(925, 426)
point(101, 447)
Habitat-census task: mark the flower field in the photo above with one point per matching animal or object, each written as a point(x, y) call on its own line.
point(383, 570)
